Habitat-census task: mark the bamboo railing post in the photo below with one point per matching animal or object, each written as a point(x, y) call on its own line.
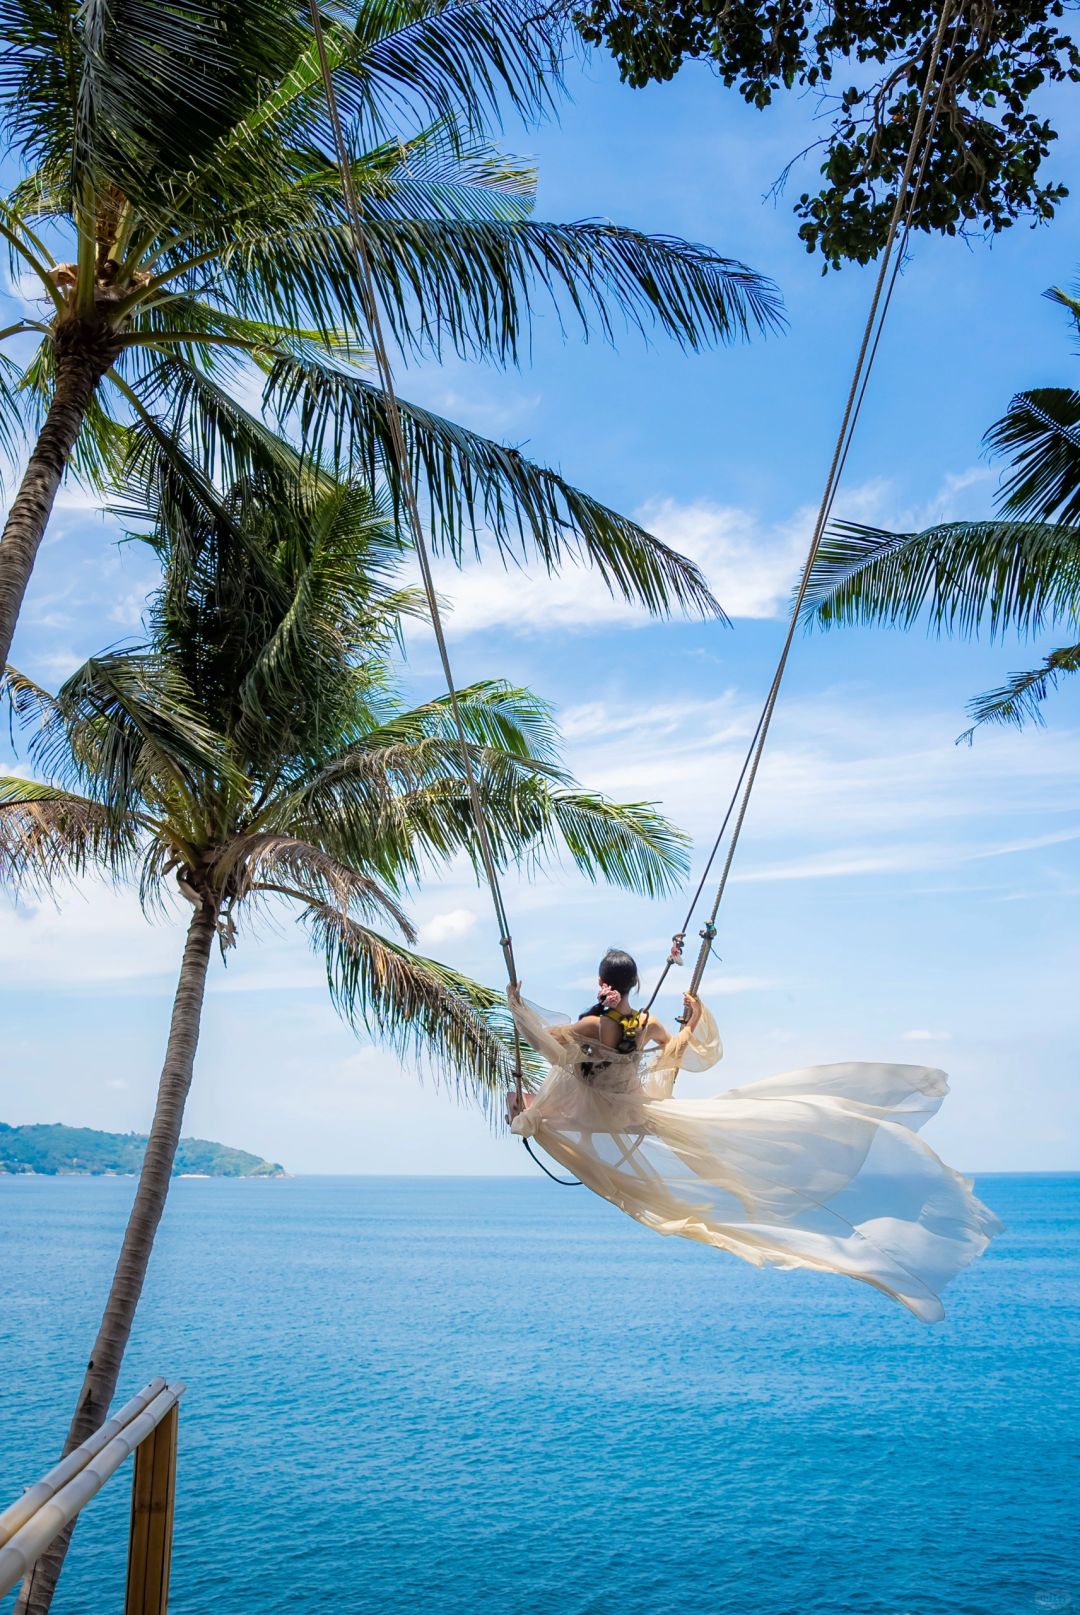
point(153, 1490)
point(32, 1524)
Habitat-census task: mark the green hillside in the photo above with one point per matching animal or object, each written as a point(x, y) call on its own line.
point(51, 1148)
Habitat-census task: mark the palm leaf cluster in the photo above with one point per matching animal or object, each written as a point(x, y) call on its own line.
point(1019, 571)
point(183, 219)
point(257, 750)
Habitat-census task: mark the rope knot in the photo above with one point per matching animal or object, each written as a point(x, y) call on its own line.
point(678, 941)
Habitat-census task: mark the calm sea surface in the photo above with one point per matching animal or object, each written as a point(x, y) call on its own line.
point(484, 1396)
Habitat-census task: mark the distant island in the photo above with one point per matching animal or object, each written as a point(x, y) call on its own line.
point(51, 1150)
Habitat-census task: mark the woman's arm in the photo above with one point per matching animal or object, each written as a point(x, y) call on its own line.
point(589, 1029)
point(549, 1041)
point(656, 1032)
point(697, 1047)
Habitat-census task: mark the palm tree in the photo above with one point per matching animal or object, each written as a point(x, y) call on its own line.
point(254, 753)
point(1020, 570)
point(183, 224)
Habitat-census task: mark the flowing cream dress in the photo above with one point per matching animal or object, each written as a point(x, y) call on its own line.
point(820, 1168)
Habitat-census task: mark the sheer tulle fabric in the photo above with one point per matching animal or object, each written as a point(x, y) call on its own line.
point(820, 1168)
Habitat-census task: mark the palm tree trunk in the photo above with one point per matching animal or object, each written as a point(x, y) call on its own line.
point(78, 375)
point(103, 1369)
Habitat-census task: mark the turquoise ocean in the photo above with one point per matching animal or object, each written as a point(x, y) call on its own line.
point(498, 1396)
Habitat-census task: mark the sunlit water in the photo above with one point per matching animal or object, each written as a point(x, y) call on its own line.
point(483, 1396)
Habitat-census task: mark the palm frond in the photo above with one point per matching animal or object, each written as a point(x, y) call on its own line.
point(472, 284)
point(494, 714)
point(127, 728)
point(445, 59)
point(531, 819)
point(127, 91)
point(266, 862)
point(160, 484)
point(31, 704)
point(421, 1008)
point(400, 61)
point(15, 411)
point(444, 174)
point(344, 599)
point(222, 438)
point(49, 836)
point(629, 844)
point(471, 483)
point(1041, 435)
point(189, 437)
point(961, 574)
point(1019, 701)
point(406, 805)
point(25, 249)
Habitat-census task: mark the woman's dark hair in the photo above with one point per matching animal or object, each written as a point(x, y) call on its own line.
point(618, 970)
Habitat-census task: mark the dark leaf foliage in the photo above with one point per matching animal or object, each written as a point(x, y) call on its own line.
point(1005, 574)
point(108, 90)
point(866, 62)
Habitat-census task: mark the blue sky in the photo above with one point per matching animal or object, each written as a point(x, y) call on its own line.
point(896, 897)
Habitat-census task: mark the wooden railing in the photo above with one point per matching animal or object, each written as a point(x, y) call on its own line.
point(145, 1426)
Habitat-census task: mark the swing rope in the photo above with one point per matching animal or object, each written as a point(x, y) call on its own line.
point(564, 1183)
point(899, 231)
point(892, 260)
point(406, 489)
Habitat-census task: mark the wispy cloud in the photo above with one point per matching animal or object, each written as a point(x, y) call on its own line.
point(448, 926)
point(858, 785)
point(95, 935)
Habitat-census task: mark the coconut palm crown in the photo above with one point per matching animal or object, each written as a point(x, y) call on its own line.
point(1017, 571)
point(255, 753)
point(182, 228)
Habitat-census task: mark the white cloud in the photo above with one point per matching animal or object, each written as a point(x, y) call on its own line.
point(116, 1082)
point(918, 1035)
point(448, 927)
point(905, 857)
point(751, 568)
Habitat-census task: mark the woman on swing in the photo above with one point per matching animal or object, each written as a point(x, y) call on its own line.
point(820, 1168)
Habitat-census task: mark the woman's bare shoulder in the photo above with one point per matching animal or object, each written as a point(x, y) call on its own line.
point(586, 1028)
